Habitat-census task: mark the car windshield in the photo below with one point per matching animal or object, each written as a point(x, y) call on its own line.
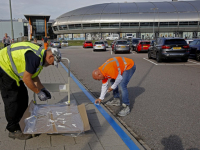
point(122, 42)
point(56, 42)
point(88, 42)
point(135, 41)
point(99, 43)
point(105, 42)
point(64, 41)
point(144, 43)
point(175, 41)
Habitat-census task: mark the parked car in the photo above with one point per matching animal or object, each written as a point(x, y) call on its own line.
point(195, 49)
point(87, 44)
point(51, 42)
point(113, 37)
point(165, 48)
point(128, 36)
point(56, 44)
point(134, 43)
point(121, 46)
point(143, 46)
point(64, 43)
point(99, 45)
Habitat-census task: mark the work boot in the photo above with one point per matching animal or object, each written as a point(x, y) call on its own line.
point(114, 102)
point(125, 110)
point(19, 135)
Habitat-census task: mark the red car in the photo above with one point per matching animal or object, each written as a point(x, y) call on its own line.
point(143, 46)
point(87, 44)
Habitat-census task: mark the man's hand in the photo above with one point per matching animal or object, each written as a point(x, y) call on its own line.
point(98, 101)
point(109, 89)
point(42, 96)
point(46, 92)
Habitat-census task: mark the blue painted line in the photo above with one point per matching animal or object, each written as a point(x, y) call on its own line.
point(127, 140)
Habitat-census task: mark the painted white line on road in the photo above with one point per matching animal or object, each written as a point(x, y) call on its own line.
point(150, 61)
point(172, 64)
point(193, 62)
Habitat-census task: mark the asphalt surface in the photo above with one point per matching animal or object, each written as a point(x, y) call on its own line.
point(165, 99)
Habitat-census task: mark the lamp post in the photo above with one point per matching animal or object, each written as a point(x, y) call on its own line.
point(11, 22)
point(154, 9)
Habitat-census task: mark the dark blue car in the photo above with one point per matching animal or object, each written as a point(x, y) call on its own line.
point(195, 49)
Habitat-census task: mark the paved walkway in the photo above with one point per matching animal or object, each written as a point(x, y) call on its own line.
point(101, 136)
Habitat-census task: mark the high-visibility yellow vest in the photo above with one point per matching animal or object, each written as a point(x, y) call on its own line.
point(12, 59)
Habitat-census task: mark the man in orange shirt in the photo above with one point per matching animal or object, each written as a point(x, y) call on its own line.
point(119, 70)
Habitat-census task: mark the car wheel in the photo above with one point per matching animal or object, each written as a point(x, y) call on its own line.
point(115, 51)
point(93, 50)
point(184, 59)
point(149, 55)
point(198, 56)
point(158, 59)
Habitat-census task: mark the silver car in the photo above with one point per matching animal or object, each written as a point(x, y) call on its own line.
point(99, 45)
point(121, 46)
point(56, 44)
point(64, 43)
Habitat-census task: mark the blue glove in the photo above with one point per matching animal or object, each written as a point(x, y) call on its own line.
point(42, 96)
point(46, 92)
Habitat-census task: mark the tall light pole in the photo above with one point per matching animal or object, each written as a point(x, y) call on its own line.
point(11, 21)
point(154, 9)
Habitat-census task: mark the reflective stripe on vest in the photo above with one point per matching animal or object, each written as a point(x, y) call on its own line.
point(9, 50)
point(115, 59)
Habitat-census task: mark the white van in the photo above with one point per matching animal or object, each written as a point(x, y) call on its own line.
point(113, 37)
point(129, 36)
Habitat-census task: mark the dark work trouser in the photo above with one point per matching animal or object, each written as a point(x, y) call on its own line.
point(15, 100)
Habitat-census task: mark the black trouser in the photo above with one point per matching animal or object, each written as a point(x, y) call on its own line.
point(6, 44)
point(15, 100)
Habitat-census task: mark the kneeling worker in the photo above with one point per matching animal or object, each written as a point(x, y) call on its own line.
point(22, 63)
point(119, 70)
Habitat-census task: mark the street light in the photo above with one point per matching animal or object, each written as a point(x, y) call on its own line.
point(155, 8)
point(11, 22)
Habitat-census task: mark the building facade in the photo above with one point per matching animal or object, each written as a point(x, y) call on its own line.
point(142, 19)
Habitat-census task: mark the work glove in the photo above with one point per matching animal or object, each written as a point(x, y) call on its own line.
point(42, 96)
point(46, 92)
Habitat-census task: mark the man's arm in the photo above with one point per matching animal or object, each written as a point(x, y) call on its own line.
point(37, 82)
point(30, 83)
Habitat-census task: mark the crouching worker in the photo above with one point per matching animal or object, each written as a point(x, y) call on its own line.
point(119, 70)
point(22, 63)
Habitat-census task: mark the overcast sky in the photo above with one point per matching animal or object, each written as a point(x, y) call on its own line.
point(54, 8)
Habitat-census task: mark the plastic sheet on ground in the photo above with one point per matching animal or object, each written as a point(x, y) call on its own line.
point(56, 118)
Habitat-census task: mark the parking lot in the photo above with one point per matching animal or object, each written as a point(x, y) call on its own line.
point(164, 96)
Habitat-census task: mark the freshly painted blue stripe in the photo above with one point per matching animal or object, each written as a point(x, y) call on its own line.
point(127, 140)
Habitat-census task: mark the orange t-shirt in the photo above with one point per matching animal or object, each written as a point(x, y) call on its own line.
point(110, 70)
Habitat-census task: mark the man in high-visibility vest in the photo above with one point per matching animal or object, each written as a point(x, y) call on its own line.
point(21, 63)
point(119, 70)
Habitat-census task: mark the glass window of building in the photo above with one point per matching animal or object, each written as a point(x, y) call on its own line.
point(77, 26)
point(125, 25)
point(164, 24)
point(134, 24)
point(144, 24)
point(193, 23)
point(71, 26)
point(55, 28)
point(105, 25)
point(94, 25)
point(183, 24)
point(173, 24)
point(85, 26)
point(114, 25)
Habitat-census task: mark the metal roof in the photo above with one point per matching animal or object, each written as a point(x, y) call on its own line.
point(133, 12)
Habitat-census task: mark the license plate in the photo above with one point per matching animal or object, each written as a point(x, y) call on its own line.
point(65, 45)
point(98, 46)
point(56, 44)
point(176, 48)
point(145, 46)
point(123, 46)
